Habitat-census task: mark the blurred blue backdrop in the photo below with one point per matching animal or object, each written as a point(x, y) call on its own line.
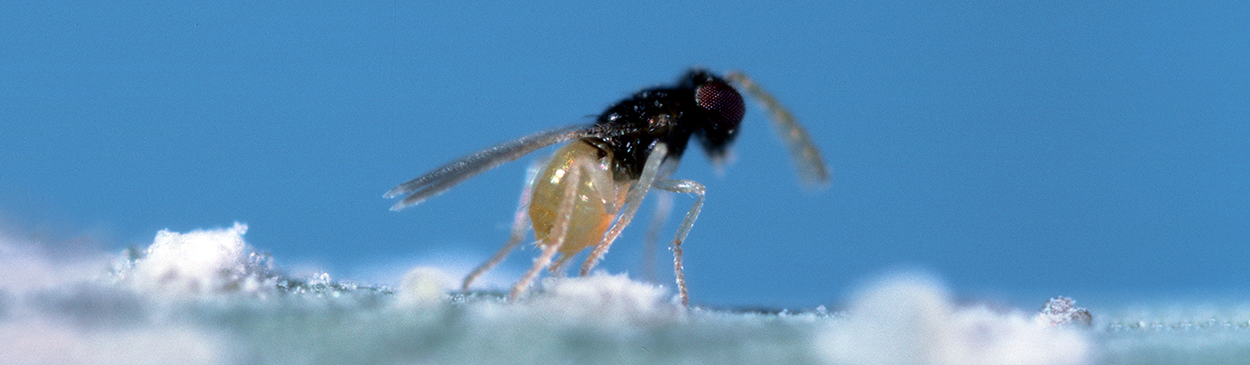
point(1018, 150)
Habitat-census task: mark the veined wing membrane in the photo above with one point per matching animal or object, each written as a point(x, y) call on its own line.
point(443, 178)
point(807, 161)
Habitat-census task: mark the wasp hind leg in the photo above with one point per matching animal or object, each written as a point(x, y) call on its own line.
point(520, 225)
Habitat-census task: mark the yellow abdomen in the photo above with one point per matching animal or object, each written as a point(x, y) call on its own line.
point(596, 200)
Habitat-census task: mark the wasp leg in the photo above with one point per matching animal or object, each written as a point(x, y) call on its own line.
point(558, 231)
point(663, 206)
point(688, 187)
point(632, 200)
point(520, 224)
point(557, 268)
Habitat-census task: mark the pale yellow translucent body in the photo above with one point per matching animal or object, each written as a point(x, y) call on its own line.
point(598, 196)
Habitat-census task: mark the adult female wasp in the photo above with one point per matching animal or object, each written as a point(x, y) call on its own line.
point(591, 188)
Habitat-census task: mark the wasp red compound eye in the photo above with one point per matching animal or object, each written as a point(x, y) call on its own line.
point(723, 102)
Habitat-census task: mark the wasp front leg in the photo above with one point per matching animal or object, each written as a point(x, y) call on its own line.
point(688, 187)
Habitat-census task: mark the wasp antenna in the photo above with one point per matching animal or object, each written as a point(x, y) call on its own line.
point(803, 153)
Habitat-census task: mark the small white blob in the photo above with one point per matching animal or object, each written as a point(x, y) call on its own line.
point(423, 286)
point(910, 319)
point(197, 262)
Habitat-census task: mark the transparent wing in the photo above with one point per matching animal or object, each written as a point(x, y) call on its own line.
point(443, 178)
point(807, 161)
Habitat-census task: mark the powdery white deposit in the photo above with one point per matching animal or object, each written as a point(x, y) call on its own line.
point(206, 297)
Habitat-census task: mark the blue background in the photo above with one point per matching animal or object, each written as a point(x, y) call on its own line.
point(1017, 150)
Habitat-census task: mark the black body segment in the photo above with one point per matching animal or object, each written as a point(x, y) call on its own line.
point(700, 104)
